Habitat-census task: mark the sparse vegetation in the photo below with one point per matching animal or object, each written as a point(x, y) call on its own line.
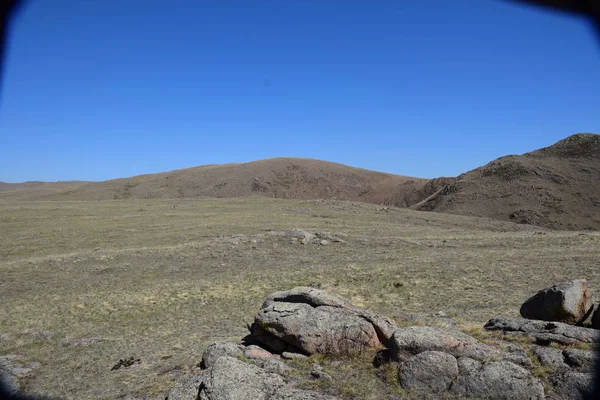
point(160, 279)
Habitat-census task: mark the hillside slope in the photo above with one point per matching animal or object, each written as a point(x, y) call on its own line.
point(557, 187)
point(290, 178)
point(36, 189)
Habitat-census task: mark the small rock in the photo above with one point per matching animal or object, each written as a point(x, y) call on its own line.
point(550, 357)
point(305, 241)
point(293, 356)
point(21, 372)
point(324, 242)
point(127, 362)
point(5, 337)
point(570, 302)
point(298, 233)
point(257, 353)
point(317, 372)
point(34, 365)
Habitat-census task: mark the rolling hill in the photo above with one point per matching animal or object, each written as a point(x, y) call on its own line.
point(557, 187)
point(290, 178)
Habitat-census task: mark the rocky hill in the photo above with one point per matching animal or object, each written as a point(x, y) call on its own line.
point(556, 187)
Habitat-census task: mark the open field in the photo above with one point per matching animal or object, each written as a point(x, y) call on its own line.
point(160, 279)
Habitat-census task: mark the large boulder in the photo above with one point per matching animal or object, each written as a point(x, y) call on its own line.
point(323, 329)
point(570, 302)
point(312, 321)
point(417, 339)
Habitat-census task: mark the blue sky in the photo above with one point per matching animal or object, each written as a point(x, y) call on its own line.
point(103, 89)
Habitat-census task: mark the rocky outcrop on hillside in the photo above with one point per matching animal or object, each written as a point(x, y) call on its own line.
point(520, 360)
point(554, 187)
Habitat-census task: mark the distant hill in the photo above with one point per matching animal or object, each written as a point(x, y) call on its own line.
point(293, 178)
point(557, 187)
point(35, 189)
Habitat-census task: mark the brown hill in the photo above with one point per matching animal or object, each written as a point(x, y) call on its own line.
point(35, 189)
point(556, 187)
point(294, 178)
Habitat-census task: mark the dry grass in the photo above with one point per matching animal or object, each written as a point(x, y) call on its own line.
point(160, 279)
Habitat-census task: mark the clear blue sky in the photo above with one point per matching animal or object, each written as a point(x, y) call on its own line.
point(103, 89)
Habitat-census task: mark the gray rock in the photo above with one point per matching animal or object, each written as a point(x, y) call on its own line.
point(417, 339)
point(384, 327)
point(431, 371)
point(220, 349)
point(550, 357)
point(323, 329)
point(187, 388)
point(324, 242)
point(545, 332)
point(317, 372)
point(582, 360)
point(571, 385)
point(568, 302)
point(21, 372)
point(496, 380)
point(257, 353)
point(293, 356)
point(517, 355)
point(298, 233)
point(232, 379)
point(9, 382)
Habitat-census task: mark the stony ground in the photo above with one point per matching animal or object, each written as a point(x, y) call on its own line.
point(86, 284)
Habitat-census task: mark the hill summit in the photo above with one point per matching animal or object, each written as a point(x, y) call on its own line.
point(287, 178)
